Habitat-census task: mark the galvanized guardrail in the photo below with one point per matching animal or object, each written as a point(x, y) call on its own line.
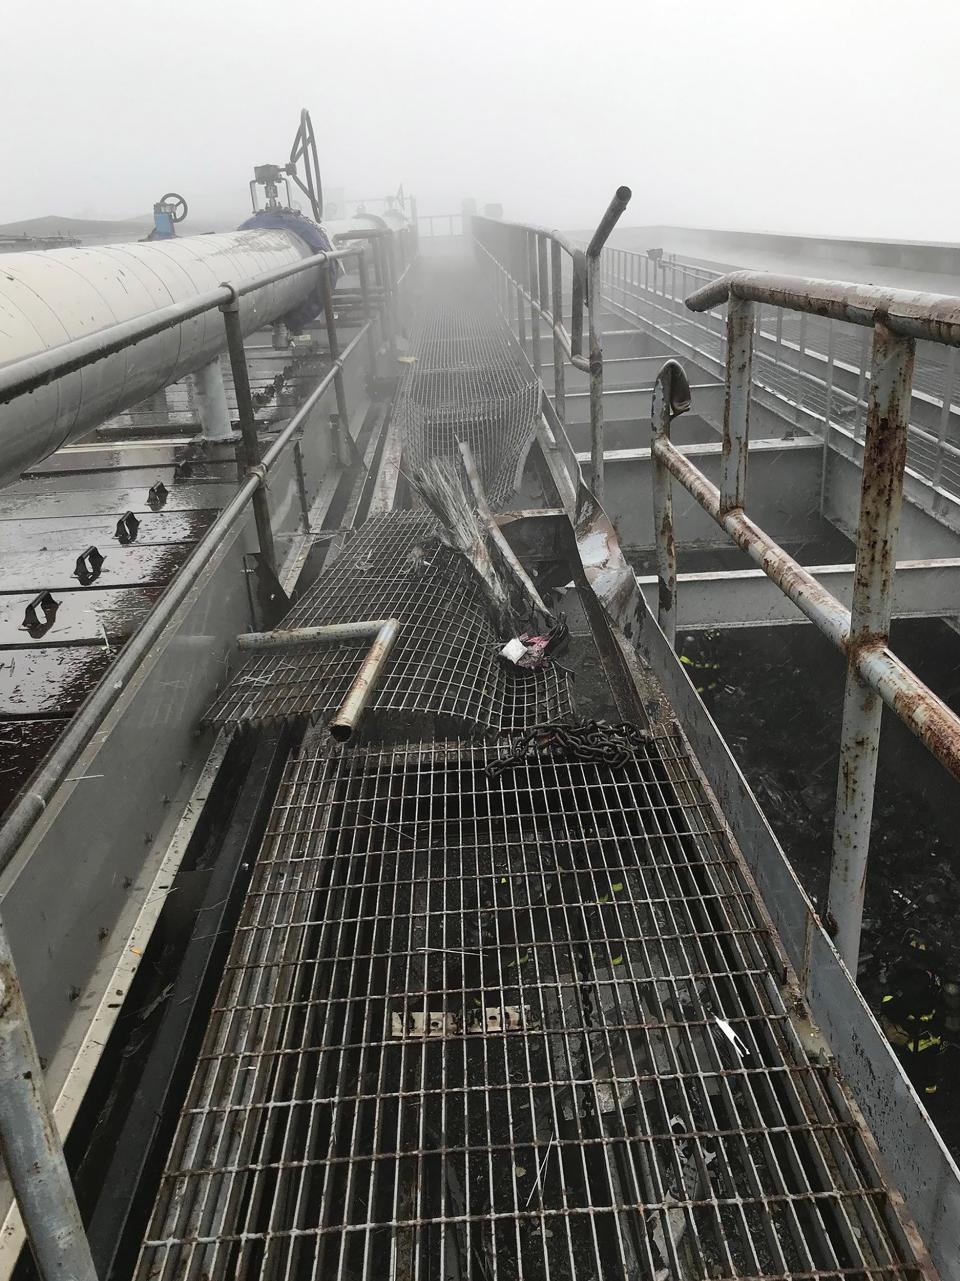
point(528, 262)
point(29, 1142)
point(875, 675)
point(815, 376)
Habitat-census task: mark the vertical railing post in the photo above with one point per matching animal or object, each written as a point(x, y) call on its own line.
point(334, 345)
point(594, 321)
point(383, 280)
point(949, 374)
point(884, 456)
point(518, 256)
point(671, 396)
point(861, 382)
point(367, 310)
point(827, 412)
point(559, 381)
point(736, 404)
point(578, 289)
point(534, 291)
point(596, 375)
point(802, 347)
point(249, 443)
point(30, 1144)
point(543, 279)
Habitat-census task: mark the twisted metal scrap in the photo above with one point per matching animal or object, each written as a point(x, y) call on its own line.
point(612, 745)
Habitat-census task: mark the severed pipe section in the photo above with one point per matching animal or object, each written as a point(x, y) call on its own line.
point(48, 299)
point(384, 632)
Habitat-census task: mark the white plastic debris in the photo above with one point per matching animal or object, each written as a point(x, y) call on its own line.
point(514, 650)
point(734, 1039)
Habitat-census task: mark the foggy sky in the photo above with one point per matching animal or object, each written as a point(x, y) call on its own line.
point(780, 115)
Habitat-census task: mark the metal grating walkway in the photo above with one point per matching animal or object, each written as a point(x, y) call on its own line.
point(444, 664)
point(529, 1026)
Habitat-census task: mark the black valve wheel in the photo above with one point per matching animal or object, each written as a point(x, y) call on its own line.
point(305, 149)
point(175, 205)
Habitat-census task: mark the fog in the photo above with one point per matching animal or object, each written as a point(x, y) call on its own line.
point(804, 115)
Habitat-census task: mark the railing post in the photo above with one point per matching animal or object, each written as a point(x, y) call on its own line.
point(596, 376)
point(828, 410)
point(578, 287)
point(736, 404)
point(559, 381)
point(30, 1144)
point(249, 444)
point(884, 456)
point(671, 396)
point(380, 272)
point(531, 240)
point(519, 257)
point(594, 301)
point(334, 345)
point(802, 347)
point(949, 374)
point(367, 310)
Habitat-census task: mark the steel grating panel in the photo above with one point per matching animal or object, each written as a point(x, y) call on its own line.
point(465, 380)
point(477, 1027)
point(444, 663)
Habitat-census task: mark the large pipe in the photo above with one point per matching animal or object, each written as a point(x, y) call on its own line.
point(47, 299)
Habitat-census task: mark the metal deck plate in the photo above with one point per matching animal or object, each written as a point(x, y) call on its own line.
point(527, 1026)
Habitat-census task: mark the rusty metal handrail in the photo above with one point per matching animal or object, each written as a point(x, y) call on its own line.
point(906, 313)
point(861, 633)
point(932, 460)
point(536, 253)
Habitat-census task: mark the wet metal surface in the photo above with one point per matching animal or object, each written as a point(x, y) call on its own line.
point(79, 574)
point(524, 1026)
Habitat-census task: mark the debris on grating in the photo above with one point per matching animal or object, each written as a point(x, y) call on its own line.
point(599, 741)
point(495, 1018)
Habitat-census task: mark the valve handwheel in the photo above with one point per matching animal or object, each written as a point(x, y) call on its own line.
point(305, 148)
point(175, 205)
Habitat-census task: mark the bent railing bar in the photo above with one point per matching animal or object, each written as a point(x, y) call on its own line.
point(863, 632)
point(599, 238)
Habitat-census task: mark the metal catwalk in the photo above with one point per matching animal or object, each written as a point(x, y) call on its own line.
point(499, 1015)
point(521, 1026)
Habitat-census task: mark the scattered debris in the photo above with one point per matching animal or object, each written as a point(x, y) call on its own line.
point(599, 741)
point(438, 485)
point(494, 1018)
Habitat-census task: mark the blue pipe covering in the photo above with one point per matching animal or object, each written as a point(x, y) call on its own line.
point(317, 239)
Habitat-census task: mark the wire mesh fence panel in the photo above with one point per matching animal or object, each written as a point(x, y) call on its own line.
point(444, 663)
point(465, 380)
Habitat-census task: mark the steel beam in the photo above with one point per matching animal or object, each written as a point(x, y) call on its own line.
point(748, 598)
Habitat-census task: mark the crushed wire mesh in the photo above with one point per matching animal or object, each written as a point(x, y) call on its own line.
point(444, 663)
point(466, 381)
point(523, 1027)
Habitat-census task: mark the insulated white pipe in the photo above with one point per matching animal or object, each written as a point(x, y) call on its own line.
point(47, 299)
